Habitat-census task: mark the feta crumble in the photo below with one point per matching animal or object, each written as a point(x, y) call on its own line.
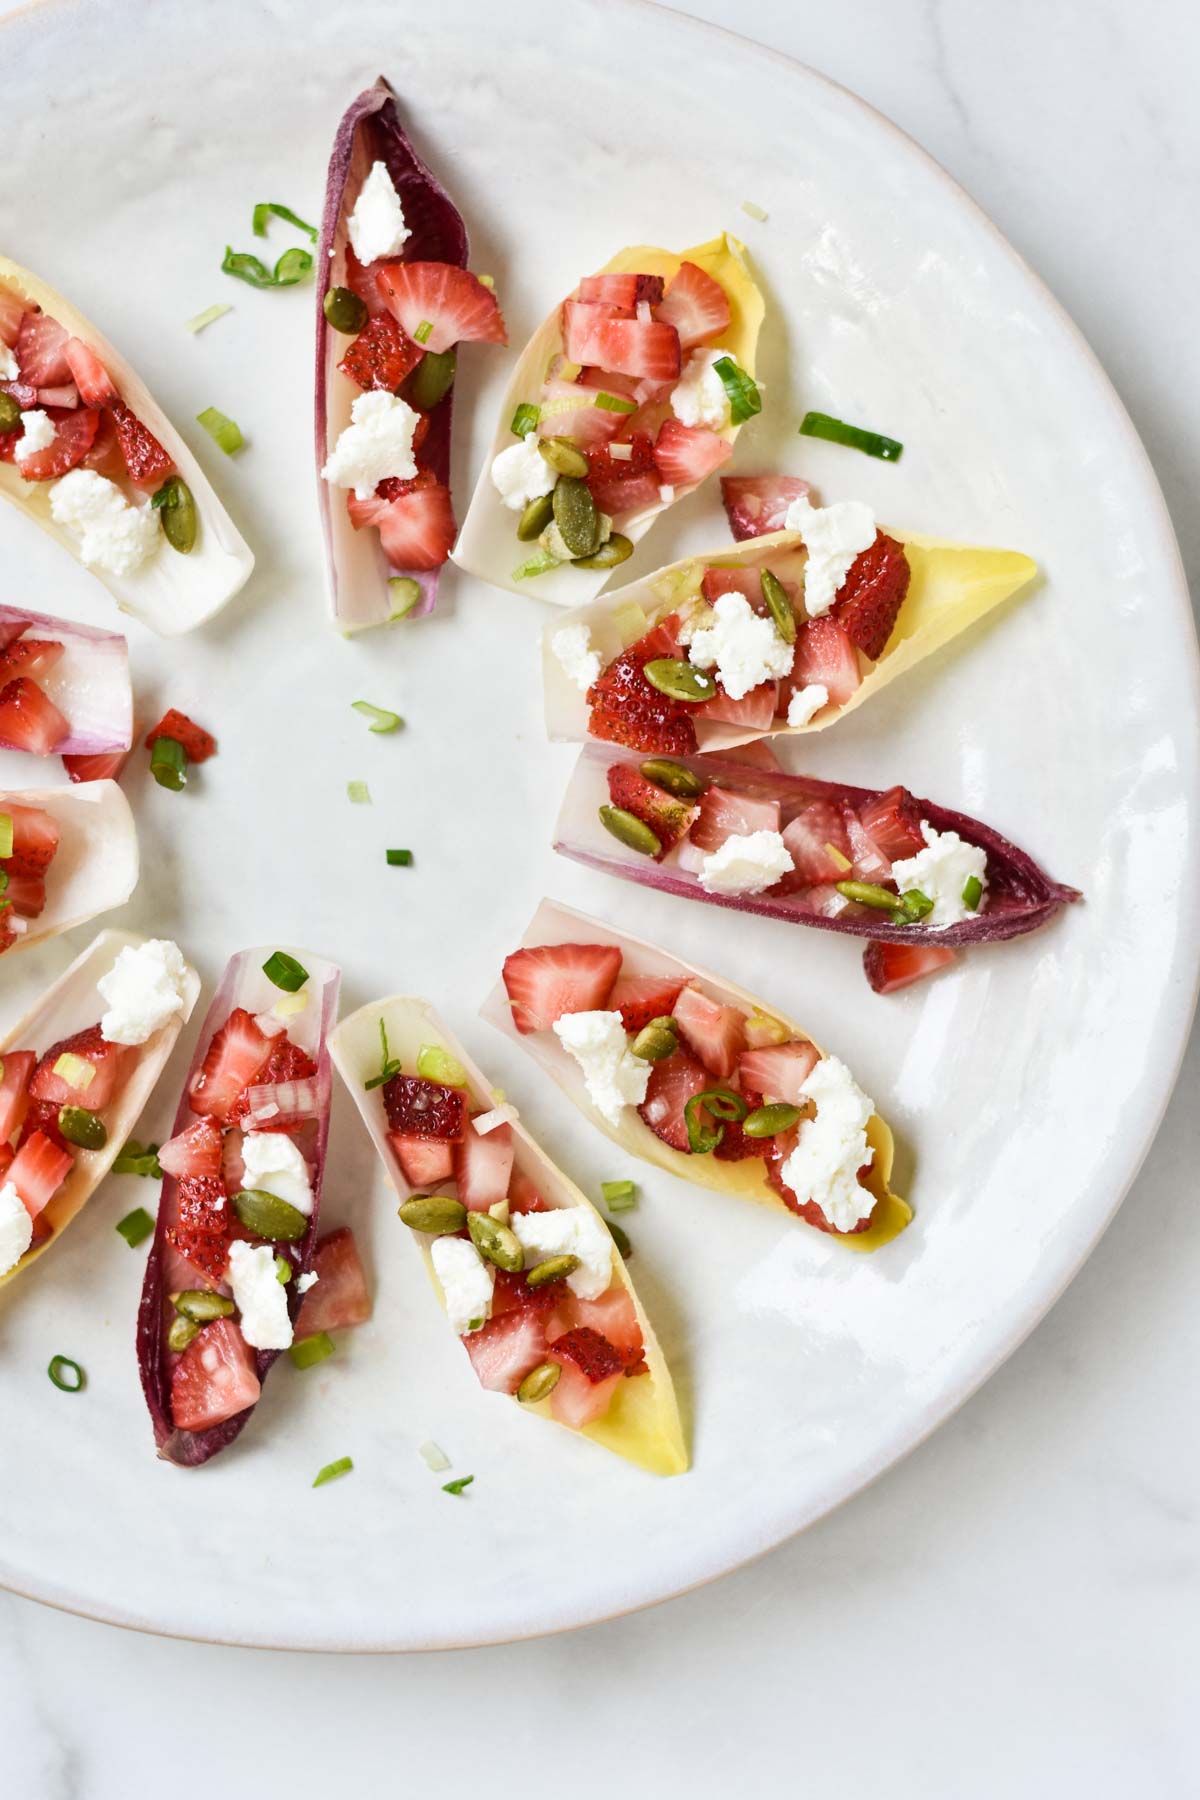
point(580, 660)
point(807, 701)
point(569, 1231)
point(37, 433)
point(274, 1165)
point(941, 871)
point(700, 397)
point(375, 445)
point(615, 1077)
point(833, 536)
point(746, 865)
point(376, 225)
point(143, 990)
point(832, 1146)
point(466, 1283)
point(743, 647)
point(113, 534)
point(307, 1280)
point(259, 1296)
point(521, 473)
point(16, 1228)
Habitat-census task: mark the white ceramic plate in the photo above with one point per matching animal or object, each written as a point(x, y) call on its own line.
point(1024, 1087)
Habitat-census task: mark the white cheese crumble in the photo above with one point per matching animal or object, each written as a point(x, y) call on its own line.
point(700, 398)
point(832, 1147)
point(615, 1077)
point(941, 871)
point(273, 1164)
point(375, 445)
point(259, 1296)
point(304, 1282)
point(16, 1228)
point(569, 1231)
point(377, 225)
point(37, 433)
point(580, 660)
point(9, 367)
point(466, 1283)
point(746, 865)
point(743, 647)
point(145, 987)
point(521, 473)
point(113, 534)
point(833, 536)
point(806, 701)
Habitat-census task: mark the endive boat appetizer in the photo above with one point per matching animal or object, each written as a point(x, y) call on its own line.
point(87, 454)
point(394, 301)
point(66, 855)
point(525, 1267)
point(785, 632)
point(77, 1071)
point(629, 395)
point(64, 688)
point(687, 1071)
point(237, 1222)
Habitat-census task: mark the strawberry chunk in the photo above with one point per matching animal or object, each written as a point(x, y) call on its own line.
point(41, 350)
point(890, 967)
point(614, 1317)
point(424, 1161)
point(817, 843)
point(38, 1170)
point(42, 1115)
point(146, 462)
point(696, 305)
point(29, 656)
point(548, 980)
point(35, 841)
point(26, 894)
point(724, 814)
point(755, 711)
point(339, 1297)
point(825, 654)
point(286, 1081)
point(668, 817)
point(757, 504)
point(625, 709)
point(513, 1291)
point(381, 355)
point(414, 519)
point(578, 1402)
point(640, 998)
point(524, 1194)
point(440, 305)
point(106, 1061)
point(14, 1086)
point(673, 1082)
point(716, 1033)
point(425, 1109)
point(482, 1166)
point(626, 291)
point(198, 743)
point(95, 384)
point(747, 582)
point(74, 434)
point(100, 765)
point(506, 1349)
point(870, 598)
point(778, 1071)
point(569, 409)
point(196, 1151)
point(205, 1224)
point(624, 485)
point(214, 1379)
point(685, 454)
point(598, 336)
point(233, 1059)
point(777, 1150)
point(12, 311)
point(893, 821)
point(590, 1351)
point(870, 863)
point(29, 719)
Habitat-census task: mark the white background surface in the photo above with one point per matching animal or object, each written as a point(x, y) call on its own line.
point(1014, 1608)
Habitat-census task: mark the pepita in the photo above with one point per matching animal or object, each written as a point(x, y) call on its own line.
point(555, 1268)
point(539, 1383)
point(673, 778)
point(615, 549)
point(344, 310)
point(437, 1214)
point(267, 1216)
point(679, 680)
point(177, 510)
point(656, 1041)
point(432, 379)
point(535, 518)
point(495, 1242)
point(10, 413)
point(81, 1127)
point(576, 515)
point(629, 830)
point(201, 1304)
point(564, 457)
point(766, 1121)
point(180, 1333)
point(778, 605)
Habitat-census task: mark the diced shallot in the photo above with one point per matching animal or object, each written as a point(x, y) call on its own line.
point(282, 1103)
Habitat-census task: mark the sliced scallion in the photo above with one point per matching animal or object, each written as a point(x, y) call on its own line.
point(332, 1470)
point(76, 1071)
point(169, 763)
point(619, 1196)
point(209, 316)
point(915, 905)
point(436, 1064)
point(264, 210)
point(456, 1487)
point(537, 564)
point(283, 971)
point(867, 893)
point(755, 212)
point(836, 431)
point(307, 1351)
point(138, 1159)
point(223, 431)
point(424, 332)
point(972, 893)
point(434, 1457)
point(403, 592)
point(292, 267)
point(399, 859)
point(378, 718)
point(741, 389)
point(358, 793)
point(618, 403)
point(136, 1226)
point(66, 1374)
point(525, 419)
point(6, 834)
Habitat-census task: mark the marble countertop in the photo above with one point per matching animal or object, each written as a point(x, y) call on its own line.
point(1015, 1608)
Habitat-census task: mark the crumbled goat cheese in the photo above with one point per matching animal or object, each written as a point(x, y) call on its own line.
point(581, 662)
point(145, 987)
point(113, 534)
point(466, 1283)
point(832, 1147)
point(700, 398)
point(569, 1231)
point(615, 1077)
point(521, 473)
point(743, 647)
point(746, 865)
point(16, 1228)
point(376, 225)
point(275, 1165)
point(37, 433)
point(805, 702)
point(376, 444)
point(941, 871)
point(833, 536)
point(259, 1296)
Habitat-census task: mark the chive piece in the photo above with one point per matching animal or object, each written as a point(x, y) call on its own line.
point(755, 212)
point(972, 893)
point(332, 1470)
point(58, 1369)
point(619, 1237)
point(915, 905)
point(283, 971)
point(391, 1065)
point(399, 859)
point(537, 564)
point(224, 432)
point(744, 397)
point(424, 332)
point(6, 834)
point(307, 1351)
point(264, 210)
point(169, 763)
point(618, 403)
point(436, 1064)
point(292, 267)
point(456, 1487)
point(359, 793)
point(434, 1457)
point(525, 419)
point(136, 1226)
point(619, 1196)
point(76, 1071)
point(209, 316)
point(867, 894)
point(379, 719)
point(138, 1159)
point(404, 593)
point(821, 425)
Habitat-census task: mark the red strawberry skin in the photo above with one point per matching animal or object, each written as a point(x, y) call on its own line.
point(626, 709)
point(624, 485)
point(198, 743)
point(673, 1082)
point(893, 820)
point(870, 598)
point(668, 818)
point(622, 290)
point(452, 301)
point(544, 981)
point(204, 1227)
point(591, 1353)
point(640, 998)
point(757, 504)
point(891, 967)
point(420, 1108)
point(35, 840)
point(381, 355)
point(146, 462)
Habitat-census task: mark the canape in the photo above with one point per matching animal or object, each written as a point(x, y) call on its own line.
point(87, 453)
point(64, 688)
point(77, 1071)
point(394, 301)
point(67, 854)
point(526, 1269)
point(629, 396)
point(687, 1071)
point(237, 1222)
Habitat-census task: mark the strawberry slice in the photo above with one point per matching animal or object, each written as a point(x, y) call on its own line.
point(778, 1071)
point(35, 841)
point(756, 504)
point(29, 720)
point(506, 1349)
point(146, 462)
point(569, 410)
point(548, 980)
point(685, 454)
point(614, 1316)
point(26, 894)
point(870, 598)
point(524, 1194)
point(724, 814)
point(233, 1059)
point(340, 1297)
point(196, 1151)
point(598, 336)
point(95, 384)
point(755, 711)
point(640, 998)
point(14, 1090)
point(285, 1081)
point(205, 1224)
point(513, 1292)
point(673, 1082)
point(38, 1170)
point(214, 1379)
point(104, 455)
point(578, 1402)
point(890, 967)
point(482, 1167)
point(66, 397)
point(74, 434)
point(198, 743)
point(620, 485)
point(625, 709)
point(424, 1161)
point(716, 1033)
point(626, 291)
point(29, 656)
point(107, 1062)
point(100, 765)
point(440, 305)
point(381, 355)
point(12, 311)
point(668, 818)
point(425, 1109)
point(417, 530)
point(696, 305)
point(870, 864)
point(746, 582)
point(42, 1115)
point(41, 347)
point(819, 848)
point(893, 821)
point(826, 655)
point(590, 1351)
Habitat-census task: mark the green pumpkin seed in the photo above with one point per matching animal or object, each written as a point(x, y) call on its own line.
point(201, 1304)
point(673, 778)
point(495, 1242)
point(555, 1268)
point(576, 516)
point(432, 379)
point(778, 605)
point(181, 1333)
point(867, 894)
point(656, 1041)
point(175, 507)
point(10, 413)
point(539, 1383)
point(81, 1127)
point(267, 1216)
point(564, 457)
point(615, 549)
point(629, 830)
point(437, 1214)
point(766, 1121)
point(679, 680)
point(344, 310)
point(535, 518)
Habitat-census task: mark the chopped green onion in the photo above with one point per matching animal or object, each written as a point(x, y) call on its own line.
point(718, 1103)
point(867, 893)
point(456, 1487)
point(435, 1458)
point(619, 1237)
point(424, 332)
point(283, 1270)
point(138, 1159)
point(391, 1066)
point(58, 1370)
point(617, 403)
point(404, 592)
point(332, 1470)
point(821, 425)
point(6, 834)
point(209, 316)
point(169, 763)
point(537, 564)
point(755, 212)
point(292, 267)
point(619, 1196)
point(264, 210)
point(224, 432)
point(744, 397)
point(972, 893)
point(76, 1071)
point(525, 419)
point(436, 1064)
point(399, 859)
point(379, 719)
point(359, 793)
point(915, 905)
point(431, 380)
point(307, 1351)
point(136, 1226)
point(487, 281)
point(284, 972)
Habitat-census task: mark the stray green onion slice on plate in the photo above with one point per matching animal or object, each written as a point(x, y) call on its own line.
point(66, 1374)
point(836, 431)
point(309, 1350)
point(332, 1470)
point(136, 1226)
point(209, 316)
point(138, 1159)
point(262, 216)
point(359, 793)
point(399, 859)
point(169, 763)
point(457, 1486)
point(224, 432)
point(377, 717)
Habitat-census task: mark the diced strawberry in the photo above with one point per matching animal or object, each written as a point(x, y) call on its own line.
point(890, 967)
point(381, 355)
point(755, 711)
point(25, 397)
point(233, 1166)
point(425, 1108)
point(14, 1085)
point(34, 657)
point(642, 347)
point(104, 456)
point(214, 1379)
point(26, 894)
point(423, 1161)
point(825, 655)
point(778, 1071)
point(757, 504)
point(640, 998)
point(716, 1033)
point(196, 1151)
point(416, 528)
point(696, 305)
point(685, 454)
point(38, 1170)
point(746, 582)
point(576, 1401)
point(205, 1225)
point(101, 765)
point(65, 397)
point(506, 1349)
point(614, 1317)
point(363, 280)
point(673, 1082)
point(524, 1194)
point(870, 598)
point(733, 1144)
point(12, 311)
point(74, 434)
point(512, 1291)
point(568, 406)
point(107, 1061)
point(548, 980)
point(626, 709)
point(621, 485)
point(41, 346)
point(622, 290)
point(7, 1156)
point(668, 817)
point(95, 384)
point(29, 719)
point(233, 1059)
point(35, 839)
point(146, 462)
point(817, 843)
point(777, 1150)
point(287, 1067)
point(482, 1167)
point(339, 1297)
point(42, 1115)
point(870, 864)
point(724, 814)
point(198, 743)
point(440, 305)
point(894, 823)
point(590, 1351)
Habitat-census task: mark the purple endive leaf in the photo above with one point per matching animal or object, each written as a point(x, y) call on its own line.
point(243, 984)
point(1020, 895)
point(89, 683)
point(371, 132)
